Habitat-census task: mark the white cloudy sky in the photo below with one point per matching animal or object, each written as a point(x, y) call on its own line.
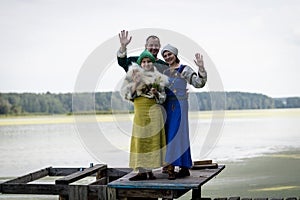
point(254, 44)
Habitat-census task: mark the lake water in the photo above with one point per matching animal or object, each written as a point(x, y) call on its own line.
point(31, 143)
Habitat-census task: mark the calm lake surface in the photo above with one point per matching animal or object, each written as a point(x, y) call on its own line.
point(232, 138)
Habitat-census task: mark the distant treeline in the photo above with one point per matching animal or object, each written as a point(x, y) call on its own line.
point(108, 102)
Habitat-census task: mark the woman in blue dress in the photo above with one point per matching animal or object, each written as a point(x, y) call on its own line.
point(177, 126)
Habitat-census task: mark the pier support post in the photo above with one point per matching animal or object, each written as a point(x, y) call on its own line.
point(63, 197)
point(111, 193)
point(196, 194)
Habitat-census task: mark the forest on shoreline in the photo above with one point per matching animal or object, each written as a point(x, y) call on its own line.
point(108, 102)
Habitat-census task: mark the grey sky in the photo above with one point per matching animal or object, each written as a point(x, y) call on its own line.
point(254, 44)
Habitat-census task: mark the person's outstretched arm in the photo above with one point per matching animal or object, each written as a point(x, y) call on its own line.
point(123, 61)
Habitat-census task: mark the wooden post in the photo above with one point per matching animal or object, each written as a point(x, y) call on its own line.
point(111, 193)
point(196, 194)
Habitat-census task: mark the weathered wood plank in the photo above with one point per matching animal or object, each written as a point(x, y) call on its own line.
point(207, 166)
point(111, 194)
point(214, 173)
point(31, 176)
point(63, 171)
point(202, 162)
point(97, 192)
point(118, 171)
point(145, 193)
point(101, 181)
point(80, 174)
point(78, 192)
point(179, 193)
point(21, 188)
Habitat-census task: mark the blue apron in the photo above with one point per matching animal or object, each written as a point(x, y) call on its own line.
point(177, 126)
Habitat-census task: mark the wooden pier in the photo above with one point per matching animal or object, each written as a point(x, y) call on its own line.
point(109, 183)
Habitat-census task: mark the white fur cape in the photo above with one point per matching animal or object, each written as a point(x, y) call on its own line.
point(148, 79)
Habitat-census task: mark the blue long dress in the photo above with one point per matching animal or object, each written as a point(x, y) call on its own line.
point(178, 151)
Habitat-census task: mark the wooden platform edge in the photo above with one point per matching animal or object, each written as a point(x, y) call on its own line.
point(222, 167)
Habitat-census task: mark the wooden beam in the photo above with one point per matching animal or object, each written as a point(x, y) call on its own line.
point(22, 188)
point(145, 193)
point(118, 172)
point(63, 171)
point(98, 192)
point(202, 162)
point(101, 181)
point(31, 176)
point(80, 174)
point(78, 192)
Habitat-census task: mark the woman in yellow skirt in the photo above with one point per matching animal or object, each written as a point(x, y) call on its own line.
point(144, 85)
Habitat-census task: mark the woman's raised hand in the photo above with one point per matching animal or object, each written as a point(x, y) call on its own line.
point(199, 62)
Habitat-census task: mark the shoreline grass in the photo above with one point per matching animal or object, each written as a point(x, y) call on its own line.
point(106, 117)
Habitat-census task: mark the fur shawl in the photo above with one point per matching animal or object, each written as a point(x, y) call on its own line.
point(148, 80)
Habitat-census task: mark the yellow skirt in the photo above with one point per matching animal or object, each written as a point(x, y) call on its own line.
point(148, 140)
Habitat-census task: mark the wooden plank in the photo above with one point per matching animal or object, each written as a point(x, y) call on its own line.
point(63, 171)
point(100, 174)
point(111, 194)
point(215, 173)
point(98, 192)
point(31, 176)
point(202, 162)
point(145, 193)
point(78, 192)
point(118, 172)
point(80, 174)
point(21, 188)
point(179, 193)
point(205, 166)
point(101, 181)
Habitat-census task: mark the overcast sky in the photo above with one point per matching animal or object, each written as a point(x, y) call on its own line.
point(254, 44)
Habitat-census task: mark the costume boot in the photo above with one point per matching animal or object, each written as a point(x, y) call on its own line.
point(140, 176)
point(151, 176)
point(165, 169)
point(184, 171)
point(171, 172)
